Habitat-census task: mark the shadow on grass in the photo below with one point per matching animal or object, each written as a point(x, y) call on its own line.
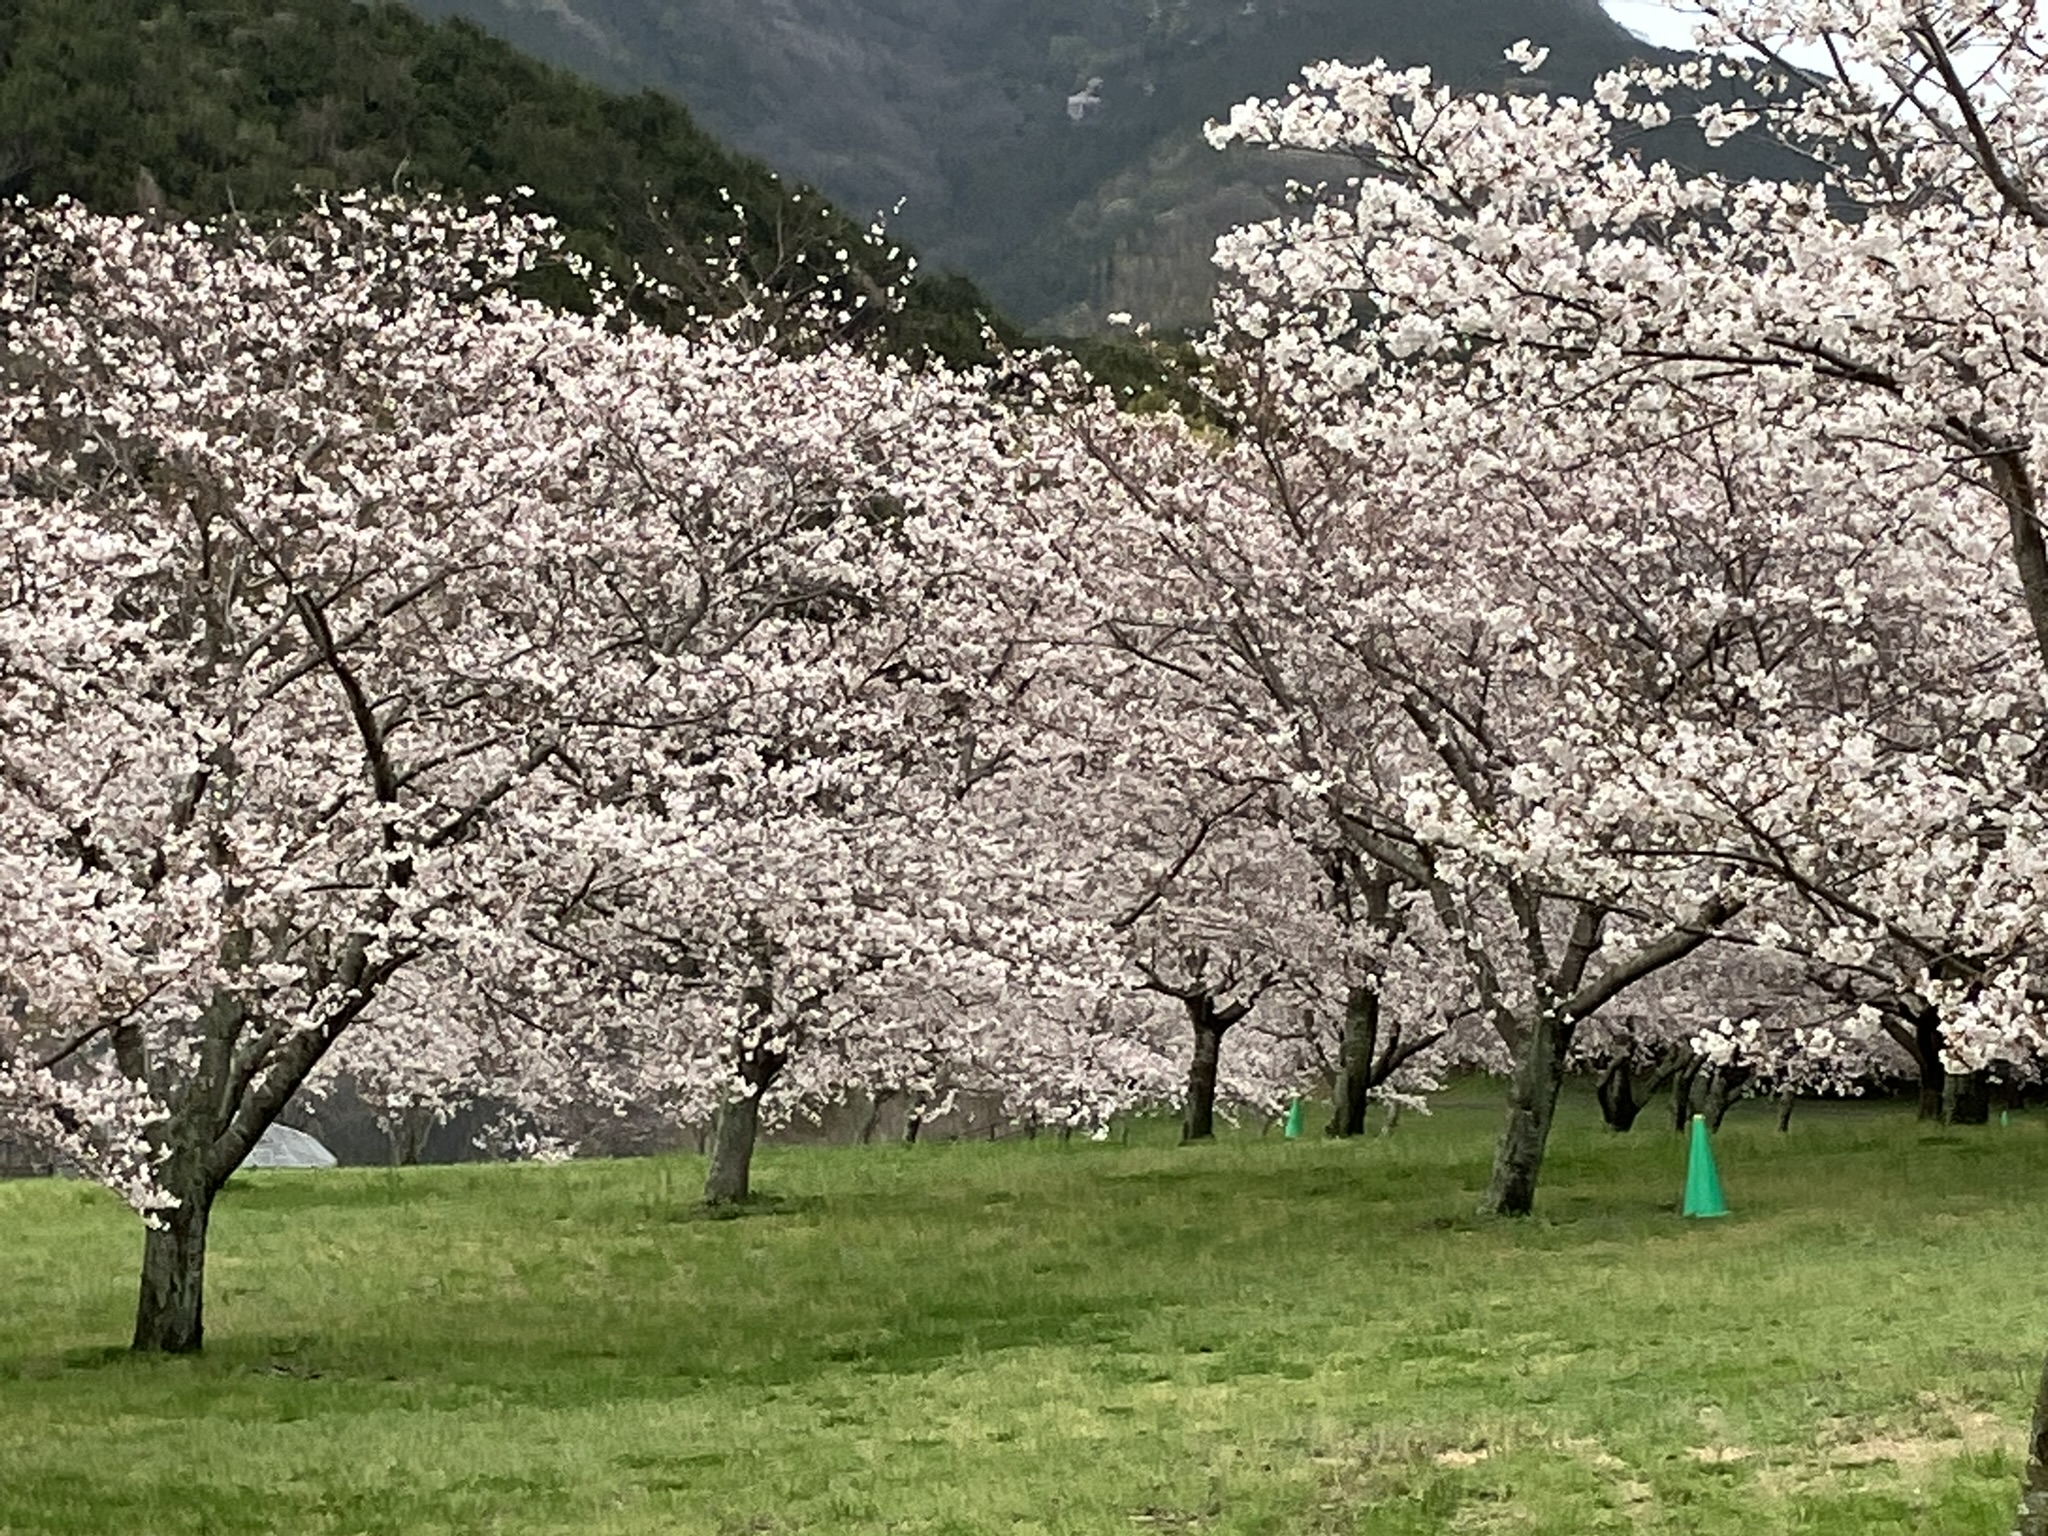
point(737, 1210)
point(99, 1357)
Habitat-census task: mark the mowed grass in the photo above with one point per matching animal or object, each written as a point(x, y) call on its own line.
point(1255, 1336)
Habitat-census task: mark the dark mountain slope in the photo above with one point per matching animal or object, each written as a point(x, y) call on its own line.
point(964, 109)
point(202, 106)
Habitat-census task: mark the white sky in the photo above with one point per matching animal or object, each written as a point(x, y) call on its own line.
point(1668, 26)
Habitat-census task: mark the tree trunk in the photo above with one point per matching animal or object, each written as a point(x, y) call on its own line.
point(407, 1130)
point(873, 1117)
point(736, 1127)
point(1619, 1105)
point(1354, 1062)
point(1723, 1085)
point(727, 1181)
point(198, 1155)
point(169, 1312)
point(1683, 1084)
point(1933, 1090)
point(1927, 1055)
point(1199, 1123)
point(222, 1110)
point(2015, 484)
point(1787, 1102)
point(1966, 1099)
point(1532, 1106)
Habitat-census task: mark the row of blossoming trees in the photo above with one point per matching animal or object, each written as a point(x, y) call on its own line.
point(1601, 595)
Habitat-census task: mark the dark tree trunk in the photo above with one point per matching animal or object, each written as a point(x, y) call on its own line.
point(1684, 1086)
point(1355, 1061)
point(728, 1180)
point(1199, 1122)
point(1619, 1105)
point(733, 1133)
point(1787, 1102)
point(1724, 1083)
point(913, 1123)
point(1624, 1096)
point(169, 1313)
point(1927, 1056)
point(2033, 1516)
point(873, 1117)
point(222, 1107)
point(407, 1132)
point(1532, 1106)
point(1967, 1098)
point(202, 1142)
point(1932, 1092)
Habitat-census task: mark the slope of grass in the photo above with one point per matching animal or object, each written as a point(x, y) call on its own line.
point(1256, 1336)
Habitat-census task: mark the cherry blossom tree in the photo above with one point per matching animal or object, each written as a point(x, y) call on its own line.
point(795, 862)
point(1349, 630)
point(1210, 931)
point(1401, 1027)
point(1513, 241)
point(357, 607)
point(810, 956)
point(1260, 939)
point(1871, 337)
point(269, 639)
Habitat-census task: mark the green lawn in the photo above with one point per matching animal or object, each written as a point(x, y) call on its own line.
point(1255, 1336)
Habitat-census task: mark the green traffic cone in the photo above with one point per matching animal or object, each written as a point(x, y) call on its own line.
point(1292, 1129)
point(1702, 1180)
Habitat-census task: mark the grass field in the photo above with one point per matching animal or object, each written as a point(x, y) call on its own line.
point(1255, 1336)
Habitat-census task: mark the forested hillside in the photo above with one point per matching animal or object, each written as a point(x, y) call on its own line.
point(1065, 200)
point(200, 108)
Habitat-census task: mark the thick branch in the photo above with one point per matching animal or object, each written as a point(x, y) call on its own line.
point(2010, 191)
point(2029, 548)
point(382, 773)
point(1157, 893)
point(1675, 945)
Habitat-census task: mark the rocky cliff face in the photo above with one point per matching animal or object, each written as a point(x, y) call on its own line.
point(1050, 149)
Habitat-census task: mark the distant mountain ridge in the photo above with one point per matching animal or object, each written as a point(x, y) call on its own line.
point(198, 107)
point(1048, 148)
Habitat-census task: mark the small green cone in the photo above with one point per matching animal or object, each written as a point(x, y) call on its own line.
point(1702, 1180)
point(1293, 1127)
